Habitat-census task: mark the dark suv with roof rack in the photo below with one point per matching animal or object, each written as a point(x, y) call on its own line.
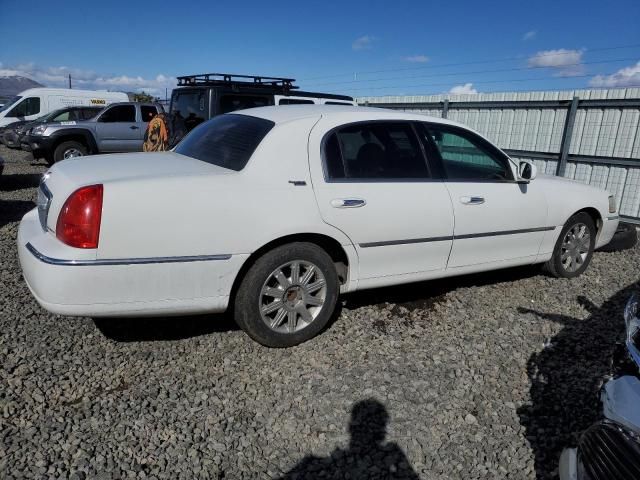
point(201, 97)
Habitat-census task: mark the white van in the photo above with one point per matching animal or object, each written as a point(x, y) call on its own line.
point(35, 102)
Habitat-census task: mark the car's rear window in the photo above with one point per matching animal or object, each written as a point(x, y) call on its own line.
point(226, 141)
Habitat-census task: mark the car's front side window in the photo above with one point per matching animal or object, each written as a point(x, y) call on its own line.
point(62, 117)
point(466, 156)
point(27, 107)
point(374, 150)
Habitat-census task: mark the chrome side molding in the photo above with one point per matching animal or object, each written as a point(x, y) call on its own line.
point(123, 261)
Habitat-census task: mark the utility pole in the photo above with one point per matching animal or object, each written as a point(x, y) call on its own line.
point(70, 81)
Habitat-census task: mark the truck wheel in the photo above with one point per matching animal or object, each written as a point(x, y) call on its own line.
point(70, 149)
point(288, 295)
point(574, 248)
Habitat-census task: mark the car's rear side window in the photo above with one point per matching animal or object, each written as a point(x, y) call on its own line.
point(119, 113)
point(148, 112)
point(376, 150)
point(294, 101)
point(231, 103)
point(226, 141)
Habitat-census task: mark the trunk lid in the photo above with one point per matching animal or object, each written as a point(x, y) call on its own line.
point(65, 177)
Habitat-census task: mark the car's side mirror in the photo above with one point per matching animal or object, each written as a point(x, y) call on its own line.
point(527, 171)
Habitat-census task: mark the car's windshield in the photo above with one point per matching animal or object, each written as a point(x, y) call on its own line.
point(227, 140)
point(10, 102)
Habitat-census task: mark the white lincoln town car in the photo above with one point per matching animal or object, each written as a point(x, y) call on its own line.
point(273, 212)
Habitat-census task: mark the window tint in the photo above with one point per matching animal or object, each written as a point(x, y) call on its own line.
point(88, 113)
point(226, 140)
point(338, 103)
point(294, 101)
point(148, 112)
point(231, 103)
point(62, 117)
point(467, 157)
point(374, 150)
point(189, 109)
point(28, 106)
point(9, 102)
point(119, 113)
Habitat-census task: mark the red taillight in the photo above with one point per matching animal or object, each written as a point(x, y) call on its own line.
point(79, 220)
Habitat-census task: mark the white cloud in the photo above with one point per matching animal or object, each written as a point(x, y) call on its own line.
point(88, 79)
point(625, 77)
point(363, 43)
point(567, 63)
point(462, 89)
point(530, 35)
point(416, 59)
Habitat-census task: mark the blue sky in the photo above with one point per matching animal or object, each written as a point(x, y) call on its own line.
point(418, 47)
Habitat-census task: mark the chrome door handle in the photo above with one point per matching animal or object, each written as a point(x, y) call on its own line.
point(348, 202)
point(472, 200)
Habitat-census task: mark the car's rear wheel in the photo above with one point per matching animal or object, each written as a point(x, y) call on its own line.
point(70, 149)
point(574, 248)
point(288, 295)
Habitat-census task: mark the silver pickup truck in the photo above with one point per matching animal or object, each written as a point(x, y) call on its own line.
point(118, 128)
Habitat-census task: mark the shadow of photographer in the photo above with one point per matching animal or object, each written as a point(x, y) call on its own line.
point(566, 377)
point(367, 456)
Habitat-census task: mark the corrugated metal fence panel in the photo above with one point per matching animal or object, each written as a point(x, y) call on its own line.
point(602, 132)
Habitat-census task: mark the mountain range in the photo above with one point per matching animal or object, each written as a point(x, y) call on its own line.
point(10, 86)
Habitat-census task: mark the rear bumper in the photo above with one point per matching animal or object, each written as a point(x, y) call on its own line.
point(70, 281)
point(609, 227)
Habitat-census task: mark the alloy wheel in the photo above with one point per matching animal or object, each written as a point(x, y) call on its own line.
point(576, 245)
point(72, 153)
point(292, 296)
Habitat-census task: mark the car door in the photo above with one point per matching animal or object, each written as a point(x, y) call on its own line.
point(372, 181)
point(496, 218)
point(117, 130)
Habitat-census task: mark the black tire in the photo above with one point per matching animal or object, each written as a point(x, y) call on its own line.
point(626, 237)
point(64, 147)
point(555, 266)
point(249, 296)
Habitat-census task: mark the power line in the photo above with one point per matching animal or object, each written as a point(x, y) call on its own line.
point(477, 72)
point(514, 90)
point(530, 79)
point(475, 62)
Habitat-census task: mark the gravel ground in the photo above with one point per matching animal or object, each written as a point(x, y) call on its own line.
point(486, 376)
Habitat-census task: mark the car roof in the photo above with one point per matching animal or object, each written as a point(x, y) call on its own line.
point(287, 113)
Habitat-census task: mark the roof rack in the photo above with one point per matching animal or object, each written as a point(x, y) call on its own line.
point(231, 80)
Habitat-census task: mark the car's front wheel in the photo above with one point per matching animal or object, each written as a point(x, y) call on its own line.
point(574, 248)
point(288, 295)
point(70, 149)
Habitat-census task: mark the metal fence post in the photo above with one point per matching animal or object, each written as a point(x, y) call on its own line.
point(566, 136)
point(445, 108)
